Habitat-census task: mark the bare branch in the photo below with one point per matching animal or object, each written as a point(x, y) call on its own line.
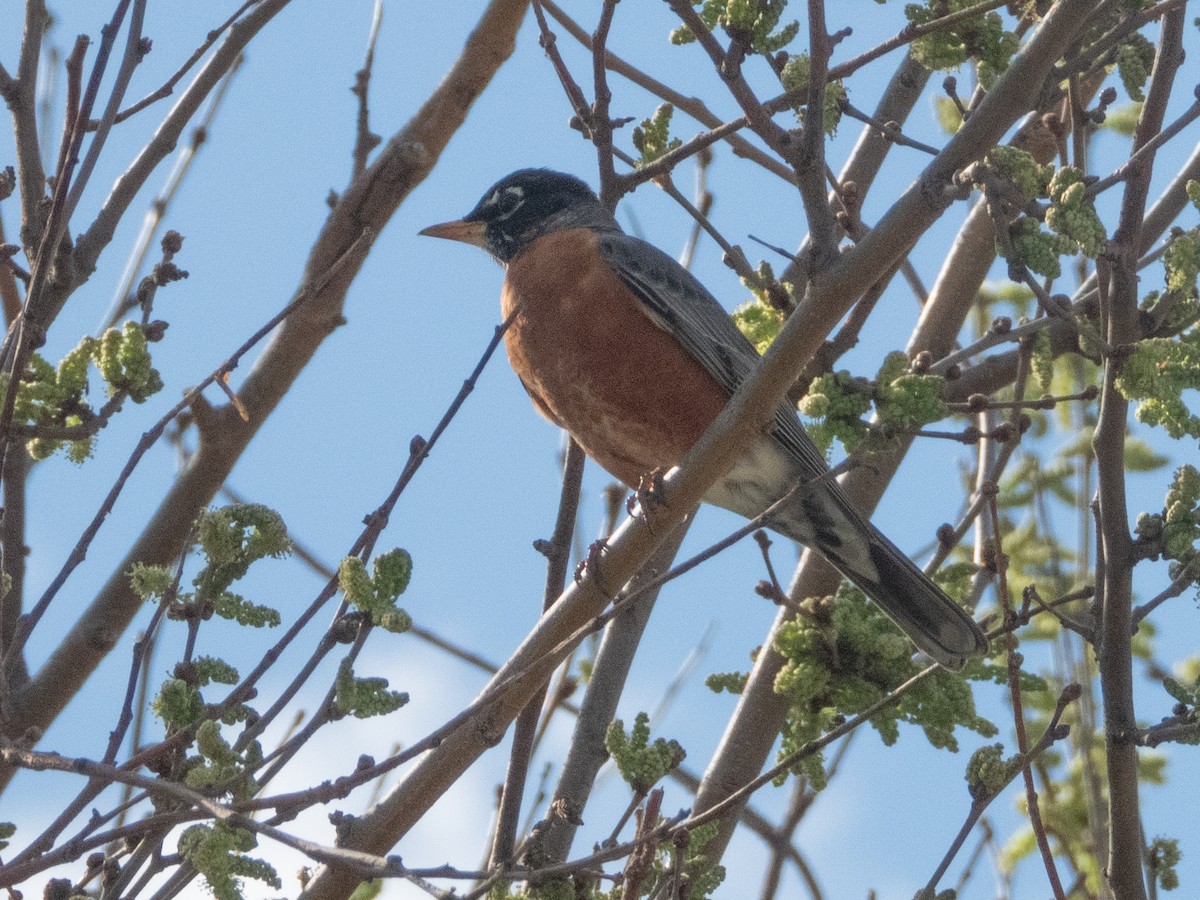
point(808, 158)
point(558, 556)
point(21, 100)
point(367, 204)
point(365, 140)
point(1119, 312)
point(168, 87)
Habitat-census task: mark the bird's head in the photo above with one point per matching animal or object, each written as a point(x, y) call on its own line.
point(523, 206)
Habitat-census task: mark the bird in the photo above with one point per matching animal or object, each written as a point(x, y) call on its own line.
point(625, 349)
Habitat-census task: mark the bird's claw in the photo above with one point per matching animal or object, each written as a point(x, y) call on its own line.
point(650, 494)
point(591, 565)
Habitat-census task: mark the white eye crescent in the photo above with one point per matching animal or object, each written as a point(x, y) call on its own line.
point(508, 200)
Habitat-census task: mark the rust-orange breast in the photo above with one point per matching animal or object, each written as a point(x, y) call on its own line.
point(594, 363)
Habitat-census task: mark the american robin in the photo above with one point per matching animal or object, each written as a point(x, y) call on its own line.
point(621, 346)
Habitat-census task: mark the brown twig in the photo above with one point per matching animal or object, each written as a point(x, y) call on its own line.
point(1058, 307)
point(1120, 321)
point(1054, 732)
point(771, 588)
point(728, 65)
point(995, 336)
point(808, 157)
point(135, 51)
point(1087, 632)
point(669, 160)
point(79, 552)
point(1169, 732)
point(980, 402)
point(558, 558)
point(889, 130)
point(1013, 668)
point(732, 254)
point(601, 121)
point(100, 232)
point(168, 87)
point(1145, 152)
point(548, 42)
point(689, 105)
point(366, 140)
point(1174, 589)
point(124, 297)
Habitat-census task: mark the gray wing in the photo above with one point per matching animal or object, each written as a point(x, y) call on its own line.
point(679, 304)
point(823, 518)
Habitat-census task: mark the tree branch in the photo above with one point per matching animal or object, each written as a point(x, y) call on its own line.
point(1119, 317)
point(367, 205)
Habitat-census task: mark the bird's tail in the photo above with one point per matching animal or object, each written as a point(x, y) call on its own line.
point(823, 519)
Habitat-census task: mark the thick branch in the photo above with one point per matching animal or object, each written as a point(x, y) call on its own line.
point(1125, 869)
point(759, 715)
point(828, 298)
point(365, 207)
point(22, 103)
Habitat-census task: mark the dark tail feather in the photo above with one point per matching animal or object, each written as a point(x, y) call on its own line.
point(825, 521)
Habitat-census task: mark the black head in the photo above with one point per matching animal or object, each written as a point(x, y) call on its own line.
point(522, 207)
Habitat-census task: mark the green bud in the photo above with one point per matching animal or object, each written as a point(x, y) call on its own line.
point(364, 698)
point(759, 322)
point(150, 581)
point(653, 137)
point(641, 763)
point(1019, 166)
point(1135, 59)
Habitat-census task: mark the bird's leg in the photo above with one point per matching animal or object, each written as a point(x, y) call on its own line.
point(648, 495)
point(591, 564)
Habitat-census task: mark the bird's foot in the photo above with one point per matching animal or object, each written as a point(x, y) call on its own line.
point(650, 494)
point(591, 565)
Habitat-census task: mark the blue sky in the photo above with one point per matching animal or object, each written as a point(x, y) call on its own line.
point(418, 317)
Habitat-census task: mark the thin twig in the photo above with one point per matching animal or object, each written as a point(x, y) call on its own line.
point(1013, 668)
point(79, 552)
point(889, 130)
point(1054, 732)
point(1174, 589)
point(364, 139)
point(168, 87)
point(135, 50)
point(124, 297)
point(549, 44)
point(558, 556)
point(601, 122)
point(689, 105)
point(1145, 152)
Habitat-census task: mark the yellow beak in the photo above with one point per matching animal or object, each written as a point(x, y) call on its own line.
point(458, 230)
